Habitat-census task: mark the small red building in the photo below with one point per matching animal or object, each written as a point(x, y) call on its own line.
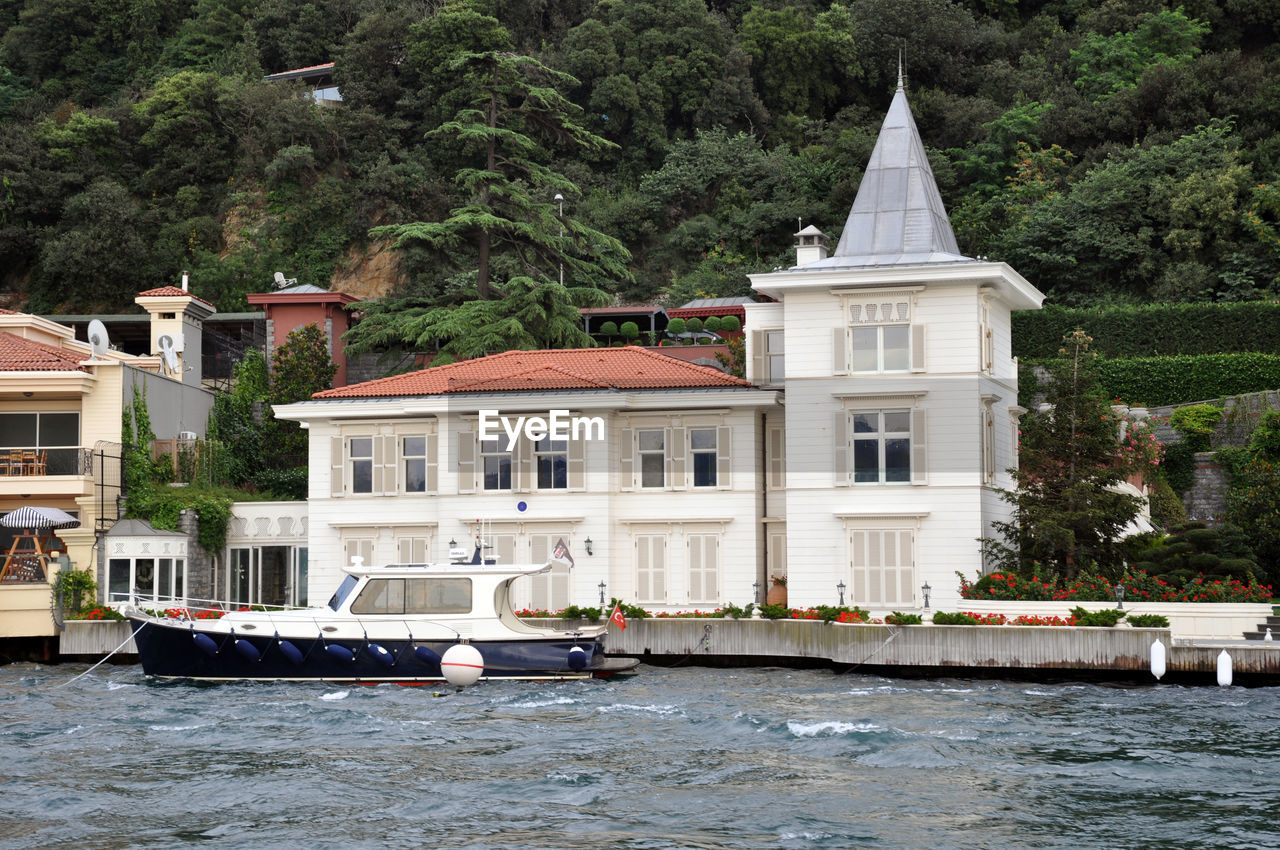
point(302, 305)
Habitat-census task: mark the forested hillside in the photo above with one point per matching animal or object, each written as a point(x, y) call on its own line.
point(1124, 151)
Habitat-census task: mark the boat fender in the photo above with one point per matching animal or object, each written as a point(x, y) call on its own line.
point(1157, 660)
point(427, 655)
point(577, 658)
point(339, 653)
point(462, 665)
point(382, 655)
point(206, 643)
point(248, 650)
point(1224, 669)
point(289, 651)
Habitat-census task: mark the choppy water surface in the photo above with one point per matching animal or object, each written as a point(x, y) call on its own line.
point(684, 757)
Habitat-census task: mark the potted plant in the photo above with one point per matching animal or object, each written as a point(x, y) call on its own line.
point(777, 591)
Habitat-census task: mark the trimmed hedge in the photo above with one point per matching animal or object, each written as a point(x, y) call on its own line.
point(1152, 329)
point(1174, 380)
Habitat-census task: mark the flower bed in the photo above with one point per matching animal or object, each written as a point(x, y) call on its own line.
point(1138, 587)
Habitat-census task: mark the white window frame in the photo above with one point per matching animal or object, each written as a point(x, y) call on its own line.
point(881, 436)
point(642, 453)
point(695, 453)
point(878, 349)
point(409, 459)
point(547, 449)
point(362, 459)
point(495, 449)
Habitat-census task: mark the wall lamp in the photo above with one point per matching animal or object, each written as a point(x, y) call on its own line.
point(587, 543)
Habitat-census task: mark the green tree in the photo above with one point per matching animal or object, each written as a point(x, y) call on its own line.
point(236, 421)
point(533, 314)
point(510, 207)
point(300, 368)
point(1105, 64)
point(1066, 517)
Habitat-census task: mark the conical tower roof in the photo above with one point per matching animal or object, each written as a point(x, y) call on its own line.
point(898, 217)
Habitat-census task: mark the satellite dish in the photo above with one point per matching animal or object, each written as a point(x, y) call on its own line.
point(98, 340)
point(168, 353)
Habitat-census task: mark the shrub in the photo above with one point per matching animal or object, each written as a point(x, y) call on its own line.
point(608, 329)
point(1166, 508)
point(676, 326)
point(712, 324)
point(1142, 330)
point(1179, 466)
point(74, 589)
point(730, 324)
point(1195, 422)
point(629, 330)
point(900, 619)
point(1107, 617)
point(693, 325)
point(1149, 621)
point(1139, 584)
point(776, 611)
point(1265, 442)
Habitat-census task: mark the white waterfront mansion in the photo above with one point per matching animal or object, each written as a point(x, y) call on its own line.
point(862, 454)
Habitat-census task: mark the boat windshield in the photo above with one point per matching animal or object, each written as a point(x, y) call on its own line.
point(344, 590)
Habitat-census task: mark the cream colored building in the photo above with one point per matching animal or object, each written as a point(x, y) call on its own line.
point(61, 406)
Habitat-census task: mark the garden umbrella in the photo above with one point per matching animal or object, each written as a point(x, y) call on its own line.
point(33, 517)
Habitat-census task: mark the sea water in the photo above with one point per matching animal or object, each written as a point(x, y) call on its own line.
point(671, 757)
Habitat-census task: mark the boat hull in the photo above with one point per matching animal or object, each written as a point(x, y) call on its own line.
point(180, 650)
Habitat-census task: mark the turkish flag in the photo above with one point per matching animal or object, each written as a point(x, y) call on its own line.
point(617, 617)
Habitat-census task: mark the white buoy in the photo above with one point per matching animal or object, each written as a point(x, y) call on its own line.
point(461, 665)
point(1267, 637)
point(1224, 669)
point(1157, 660)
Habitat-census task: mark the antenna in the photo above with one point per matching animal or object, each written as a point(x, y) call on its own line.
point(98, 340)
point(169, 354)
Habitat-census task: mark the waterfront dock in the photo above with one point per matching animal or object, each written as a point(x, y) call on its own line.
point(1036, 652)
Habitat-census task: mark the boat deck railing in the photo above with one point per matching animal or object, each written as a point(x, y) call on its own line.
point(185, 605)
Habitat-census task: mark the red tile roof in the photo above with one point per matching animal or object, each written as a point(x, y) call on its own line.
point(24, 355)
point(630, 368)
point(170, 291)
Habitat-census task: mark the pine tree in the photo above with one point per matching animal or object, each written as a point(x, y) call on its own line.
point(1067, 516)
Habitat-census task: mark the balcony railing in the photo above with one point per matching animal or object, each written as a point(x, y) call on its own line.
point(32, 461)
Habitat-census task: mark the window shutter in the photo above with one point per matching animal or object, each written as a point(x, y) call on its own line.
point(919, 448)
point(839, 357)
point(433, 462)
point(917, 348)
point(521, 458)
point(677, 451)
point(626, 459)
point(840, 446)
point(577, 465)
point(777, 458)
point(758, 375)
point(466, 461)
point(389, 464)
point(724, 457)
point(336, 465)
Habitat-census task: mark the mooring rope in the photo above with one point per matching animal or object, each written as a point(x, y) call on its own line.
point(104, 659)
